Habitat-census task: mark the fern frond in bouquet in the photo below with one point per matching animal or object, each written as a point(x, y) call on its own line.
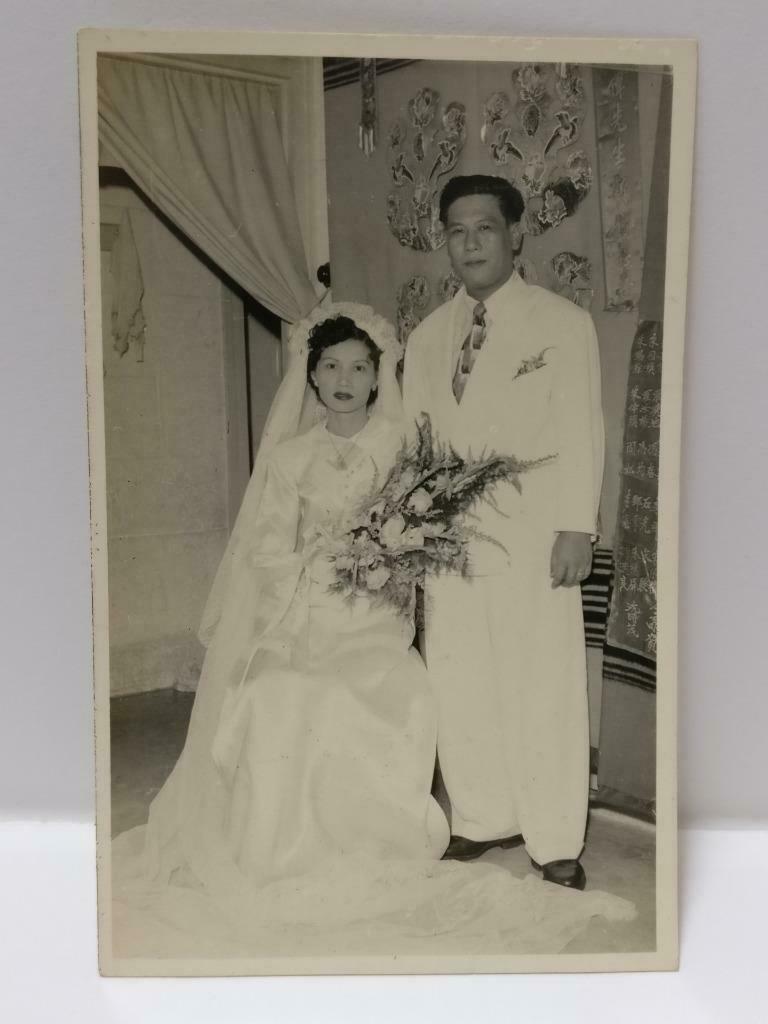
point(415, 522)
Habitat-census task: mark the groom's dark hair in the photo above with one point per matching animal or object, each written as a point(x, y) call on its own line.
point(509, 198)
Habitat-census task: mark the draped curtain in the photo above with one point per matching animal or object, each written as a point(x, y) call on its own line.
point(208, 151)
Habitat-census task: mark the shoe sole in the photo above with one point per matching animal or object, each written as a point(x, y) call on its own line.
point(554, 881)
point(505, 844)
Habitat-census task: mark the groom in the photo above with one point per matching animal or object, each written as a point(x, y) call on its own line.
point(513, 368)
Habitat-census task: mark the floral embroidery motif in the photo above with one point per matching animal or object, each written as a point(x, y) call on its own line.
point(554, 210)
point(449, 285)
point(527, 270)
point(412, 299)
point(495, 110)
point(573, 278)
point(420, 156)
point(530, 132)
point(367, 128)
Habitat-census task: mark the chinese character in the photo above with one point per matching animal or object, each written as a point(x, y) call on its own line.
point(615, 87)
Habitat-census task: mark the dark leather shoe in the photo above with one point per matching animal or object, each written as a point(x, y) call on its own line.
point(563, 872)
point(461, 848)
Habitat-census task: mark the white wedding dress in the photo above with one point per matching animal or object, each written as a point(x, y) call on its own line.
point(298, 820)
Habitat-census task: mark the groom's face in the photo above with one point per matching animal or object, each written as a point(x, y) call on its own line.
point(481, 244)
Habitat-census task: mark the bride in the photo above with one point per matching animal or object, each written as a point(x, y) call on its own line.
point(298, 819)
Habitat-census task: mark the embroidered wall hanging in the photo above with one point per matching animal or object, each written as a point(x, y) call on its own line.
point(621, 203)
point(573, 277)
point(448, 285)
point(412, 300)
point(527, 270)
point(532, 131)
point(424, 147)
point(367, 128)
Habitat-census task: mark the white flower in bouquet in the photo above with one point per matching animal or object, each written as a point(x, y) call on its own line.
point(413, 537)
point(405, 481)
point(376, 578)
point(441, 482)
point(391, 533)
point(420, 501)
point(364, 549)
point(434, 529)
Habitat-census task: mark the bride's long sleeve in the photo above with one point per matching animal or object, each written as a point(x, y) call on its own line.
point(264, 583)
point(266, 525)
point(276, 526)
point(270, 565)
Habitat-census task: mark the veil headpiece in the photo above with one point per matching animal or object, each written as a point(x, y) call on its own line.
point(296, 409)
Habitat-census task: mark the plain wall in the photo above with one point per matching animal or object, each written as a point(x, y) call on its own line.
point(166, 461)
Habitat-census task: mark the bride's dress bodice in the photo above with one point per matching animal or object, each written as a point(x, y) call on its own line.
point(335, 474)
point(315, 483)
point(332, 474)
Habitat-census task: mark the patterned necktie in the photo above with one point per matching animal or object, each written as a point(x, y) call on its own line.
point(472, 345)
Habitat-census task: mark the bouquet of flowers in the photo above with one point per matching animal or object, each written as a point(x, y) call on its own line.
point(415, 523)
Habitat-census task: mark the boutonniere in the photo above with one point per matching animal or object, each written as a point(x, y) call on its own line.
point(532, 363)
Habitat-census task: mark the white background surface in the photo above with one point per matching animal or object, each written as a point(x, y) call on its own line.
point(48, 958)
point(45, 728)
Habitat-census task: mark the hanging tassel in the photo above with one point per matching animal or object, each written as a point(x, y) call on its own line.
point(367, 127)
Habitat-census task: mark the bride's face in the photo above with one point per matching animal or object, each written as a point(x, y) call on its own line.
point(345, 376)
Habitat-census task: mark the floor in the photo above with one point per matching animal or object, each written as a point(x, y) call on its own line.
point(148, 733)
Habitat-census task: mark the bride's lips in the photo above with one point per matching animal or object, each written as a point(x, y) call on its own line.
point(343, 396)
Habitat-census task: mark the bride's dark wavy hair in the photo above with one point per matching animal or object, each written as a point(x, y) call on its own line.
point(331, 332)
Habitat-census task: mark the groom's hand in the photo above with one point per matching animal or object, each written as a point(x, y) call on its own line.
point(571, 560)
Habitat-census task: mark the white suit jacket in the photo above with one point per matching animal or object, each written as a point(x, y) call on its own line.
point(534, 391)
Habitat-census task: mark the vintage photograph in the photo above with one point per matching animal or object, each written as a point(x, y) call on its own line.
point(384, 361)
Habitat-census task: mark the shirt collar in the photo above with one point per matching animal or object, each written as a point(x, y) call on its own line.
point(367, 437)
point(508, 292)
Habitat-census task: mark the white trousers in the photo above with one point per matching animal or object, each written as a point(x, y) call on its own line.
point(507, 661)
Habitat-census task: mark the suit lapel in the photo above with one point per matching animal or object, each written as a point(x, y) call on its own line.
point(443, 357)
point(507, 344)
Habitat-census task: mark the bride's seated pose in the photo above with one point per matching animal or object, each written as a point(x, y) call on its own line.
point(299, 818)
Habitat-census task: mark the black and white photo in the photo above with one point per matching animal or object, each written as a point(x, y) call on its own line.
point(384, 355)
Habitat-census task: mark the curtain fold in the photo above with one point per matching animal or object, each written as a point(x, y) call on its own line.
point(208, 151)
point(129, 324)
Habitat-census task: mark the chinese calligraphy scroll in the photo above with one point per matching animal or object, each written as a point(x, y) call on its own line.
point(632, 623)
